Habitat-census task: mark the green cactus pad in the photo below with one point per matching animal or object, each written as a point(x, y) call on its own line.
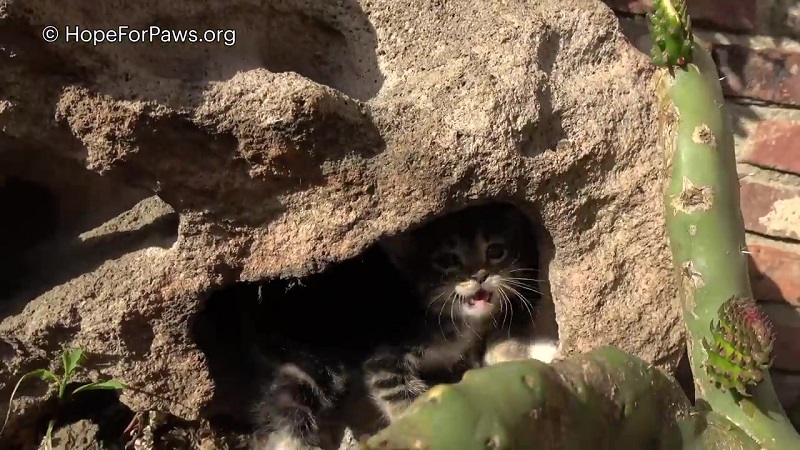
point(741, 349)
point(604, 399)
point(671, 30)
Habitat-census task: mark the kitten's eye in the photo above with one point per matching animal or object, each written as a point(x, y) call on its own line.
point(495, 252)
point(446, 260)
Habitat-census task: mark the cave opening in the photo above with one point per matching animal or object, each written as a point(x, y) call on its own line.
point(341, 312)
point(35, 209)
point(683, 375)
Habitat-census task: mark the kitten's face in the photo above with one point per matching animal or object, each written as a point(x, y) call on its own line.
point(474, 266)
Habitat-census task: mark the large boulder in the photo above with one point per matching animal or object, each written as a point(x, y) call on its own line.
point(157, 171)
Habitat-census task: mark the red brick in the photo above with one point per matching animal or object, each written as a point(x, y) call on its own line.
point(776, 144)
point(735, 15)
point(774, 274)
point(779, 18)
point(741, 16)
point(770, 74)
point(759, 200)
point(787, 386)
point(786, 324)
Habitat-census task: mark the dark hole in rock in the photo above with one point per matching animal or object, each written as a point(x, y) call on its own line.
point(68, 221)
point(31, 216)
point(335, 311)
point(339, 313)
point(683, 374)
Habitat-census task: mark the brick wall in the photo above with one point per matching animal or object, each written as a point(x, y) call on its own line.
point(756, 44)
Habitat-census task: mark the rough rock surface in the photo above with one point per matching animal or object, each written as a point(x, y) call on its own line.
point(326, 126)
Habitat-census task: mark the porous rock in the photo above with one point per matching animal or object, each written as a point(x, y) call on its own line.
point(326, 126)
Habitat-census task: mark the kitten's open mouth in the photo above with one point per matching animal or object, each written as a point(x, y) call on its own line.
point(481, 299)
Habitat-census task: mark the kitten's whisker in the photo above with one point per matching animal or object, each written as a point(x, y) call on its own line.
point(524, 269)
point(434, 299)
point(441, 310)
point(527, 279)
point(504, 300)
point(514, 282)
point(455, 298)
point(450, 299)
point(502, 310)
point(527, 288)
point(525, 302)
point(511, 307)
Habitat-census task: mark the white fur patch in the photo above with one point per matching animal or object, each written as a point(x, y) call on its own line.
point(281, 441)
point(515, 349)
point(544, 351)
point(492, 283)
point(468, 288)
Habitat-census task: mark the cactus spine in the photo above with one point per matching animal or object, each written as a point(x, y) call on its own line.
point(671, 29)
point(706, 234)
point(740, 354)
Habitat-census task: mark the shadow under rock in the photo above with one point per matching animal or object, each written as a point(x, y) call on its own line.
point(30, 215)
point(47, 197)
point(56, 262)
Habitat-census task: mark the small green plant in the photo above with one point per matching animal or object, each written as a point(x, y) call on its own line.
point(71, 360)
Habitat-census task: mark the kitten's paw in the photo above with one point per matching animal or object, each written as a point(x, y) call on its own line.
point(394, 399)
point(393, 382)
point(395, 407)
point(545, 351)
point(281, 441)
point(393, 410)
point(504, 351)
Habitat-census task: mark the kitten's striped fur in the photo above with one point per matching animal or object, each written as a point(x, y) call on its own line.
point(300, 395)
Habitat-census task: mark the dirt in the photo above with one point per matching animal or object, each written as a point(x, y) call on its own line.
point(86, 435)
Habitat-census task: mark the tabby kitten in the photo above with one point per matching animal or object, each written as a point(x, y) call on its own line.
point(473, 276)
point(475, 273)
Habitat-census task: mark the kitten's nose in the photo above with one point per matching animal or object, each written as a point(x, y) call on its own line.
point(480, 276)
